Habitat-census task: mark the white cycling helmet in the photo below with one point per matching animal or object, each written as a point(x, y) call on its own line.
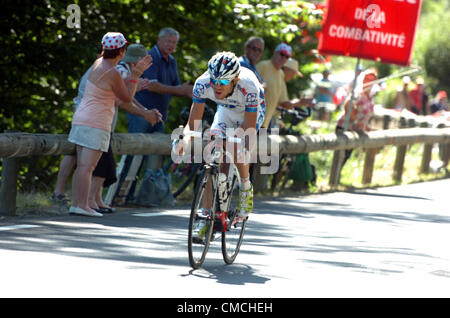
point(223, 65)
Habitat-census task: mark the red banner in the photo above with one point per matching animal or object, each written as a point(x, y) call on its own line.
point(381, 30)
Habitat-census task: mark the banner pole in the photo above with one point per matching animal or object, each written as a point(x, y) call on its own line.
point(341, 153)
point(352, 96)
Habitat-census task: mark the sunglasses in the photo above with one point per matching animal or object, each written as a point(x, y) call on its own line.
point(284, 55)
point(221, 82)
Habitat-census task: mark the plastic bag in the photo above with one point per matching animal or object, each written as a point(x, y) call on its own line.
point(156, 189)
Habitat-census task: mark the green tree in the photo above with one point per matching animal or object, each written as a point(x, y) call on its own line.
point(44, 58)
point(432, 45)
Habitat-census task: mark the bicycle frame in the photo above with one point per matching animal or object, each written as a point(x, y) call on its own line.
point(229, 168)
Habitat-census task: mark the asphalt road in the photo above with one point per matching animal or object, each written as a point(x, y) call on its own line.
point(386, 242)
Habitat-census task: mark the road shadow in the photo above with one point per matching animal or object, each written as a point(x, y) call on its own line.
point(161, 242)
point(234, 274)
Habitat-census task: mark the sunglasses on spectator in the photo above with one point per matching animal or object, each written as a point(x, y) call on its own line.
point(254, 48)
point(284, 55)
point(221, 82)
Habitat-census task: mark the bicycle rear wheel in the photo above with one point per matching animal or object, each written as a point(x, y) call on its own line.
point(233, 236)
point(197, 248)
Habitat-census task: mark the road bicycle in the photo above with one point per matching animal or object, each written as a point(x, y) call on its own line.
point(215, 204)
point(293, 117)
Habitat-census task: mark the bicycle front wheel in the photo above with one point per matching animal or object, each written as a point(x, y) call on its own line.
point(204, 200)
point(233, 236)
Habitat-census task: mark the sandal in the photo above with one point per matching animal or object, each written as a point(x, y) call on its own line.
point(104, 209)
point(60, 199)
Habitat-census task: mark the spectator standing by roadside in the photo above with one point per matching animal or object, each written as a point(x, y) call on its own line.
point(253, 50)
point(362, 109)
point(402, 98)
point(290, 70)
point(91, 123)
point(323, 92)
point(164, 83)
point(419, 98)
point(276, 91)
point(440, 103)
point(68, 162)
point(104, 174)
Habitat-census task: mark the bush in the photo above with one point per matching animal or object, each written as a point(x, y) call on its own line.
point(43, 58)
point(437, 62)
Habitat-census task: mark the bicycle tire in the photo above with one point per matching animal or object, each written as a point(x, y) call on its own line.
point(233, 236)
point(197, 250)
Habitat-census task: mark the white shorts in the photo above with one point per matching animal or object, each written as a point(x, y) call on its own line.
point(230, 118)
point(90, 137)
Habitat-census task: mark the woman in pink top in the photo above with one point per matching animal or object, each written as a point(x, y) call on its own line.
point(362, 109)
point(91, 124)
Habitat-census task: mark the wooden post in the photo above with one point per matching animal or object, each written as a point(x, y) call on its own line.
point(426, 158)
point(444, 151)
point(386, 121)
point(369, 162)
point(335, 170)
point(8, 190)
point(427, 152)
point(400, 156)
point(446, 154)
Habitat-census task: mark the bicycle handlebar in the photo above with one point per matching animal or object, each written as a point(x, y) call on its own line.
point(190, 133)
point(298, 113)
point(198, 134)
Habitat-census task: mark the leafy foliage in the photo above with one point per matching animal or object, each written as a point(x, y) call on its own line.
point(43, 58)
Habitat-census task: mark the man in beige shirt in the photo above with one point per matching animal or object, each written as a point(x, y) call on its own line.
point(275, 90)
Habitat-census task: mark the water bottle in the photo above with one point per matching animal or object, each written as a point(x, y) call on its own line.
point(222, 187)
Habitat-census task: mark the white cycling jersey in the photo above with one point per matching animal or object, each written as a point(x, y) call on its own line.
point(248, 96)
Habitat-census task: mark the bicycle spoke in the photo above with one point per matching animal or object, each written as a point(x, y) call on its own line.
point(198, 244)
point(234, 234)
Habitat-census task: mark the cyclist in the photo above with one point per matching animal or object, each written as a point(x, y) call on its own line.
point(240, 104)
